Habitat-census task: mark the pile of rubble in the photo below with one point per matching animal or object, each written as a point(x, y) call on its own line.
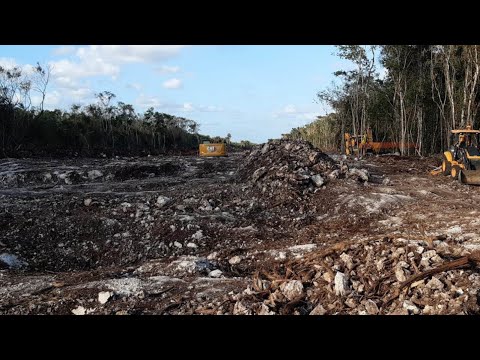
point(378, 276)
point(294, 164)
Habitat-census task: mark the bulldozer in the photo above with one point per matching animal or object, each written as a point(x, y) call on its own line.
point(462, 160)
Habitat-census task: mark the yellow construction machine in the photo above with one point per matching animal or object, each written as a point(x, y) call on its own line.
point(462, 160)
point(212, 149)
point(362, 145)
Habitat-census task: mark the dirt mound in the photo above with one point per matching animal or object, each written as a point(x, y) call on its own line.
point(294, 164)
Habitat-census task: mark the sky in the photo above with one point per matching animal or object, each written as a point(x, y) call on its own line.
point(253, 92)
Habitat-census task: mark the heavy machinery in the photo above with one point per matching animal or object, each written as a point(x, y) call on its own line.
point(365, 145)
point(462, 160)
point(212, 149)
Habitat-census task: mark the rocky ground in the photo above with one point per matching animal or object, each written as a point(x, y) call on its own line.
point(284, 229)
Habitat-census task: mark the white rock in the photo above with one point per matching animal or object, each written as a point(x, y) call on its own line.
point(400, 274)
point(341, 284)
point(417, 283)
point(334, 174)
point(104, 296)
point(351, 303)
point(398, 252)
point(241, 309)
point(454, 230)
point(429, 254)
point(420, 249)
point(435, 284)
point(177, 244)
point(125, 206)
point(80, 310)
point(235, 260)
point(371, 307)
point(408, 305)
point(292, 289)
point(428, 310)
point(162, 201)
point(347, 260)
point(360, 174)
point(317, 180)
point(265, 310)
point(94, 174)
point(328, 277)
point(215, 273)
point(87, 202)
point(425, 263)
point(192, 245)
point(318, 310)
point(436, 259)
point(198, 235)
point(212, 256)
point(173, 228)
point(380, 264)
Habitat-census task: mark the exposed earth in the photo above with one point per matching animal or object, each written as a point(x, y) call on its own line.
point(284, 229)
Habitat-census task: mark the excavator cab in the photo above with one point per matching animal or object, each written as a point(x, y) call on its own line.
point(462, 161)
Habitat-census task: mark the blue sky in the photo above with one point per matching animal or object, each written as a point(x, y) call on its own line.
point(253, 92)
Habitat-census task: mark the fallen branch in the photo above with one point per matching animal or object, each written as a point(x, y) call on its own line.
point(463, 262)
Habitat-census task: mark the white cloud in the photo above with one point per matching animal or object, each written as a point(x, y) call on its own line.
point(290, 109)
point(118, 54)
point(300, 115)
point(87, 68)
point(52, 99)
point(81, 95)
point(165, 69)
point(64, 82)
point(7, 62)
point(172, 84)
point(64, 50)
point(188, 107)
point(209, 108)
point(383, 73)
point(106, 60)
point(134, 86)
point(145, 102)
point(148, 101)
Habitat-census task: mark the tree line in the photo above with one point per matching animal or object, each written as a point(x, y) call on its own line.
point(425, 91)
point(104, 127)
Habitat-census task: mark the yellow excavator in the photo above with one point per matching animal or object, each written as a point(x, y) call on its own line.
point(462, 160)
point(208, 149)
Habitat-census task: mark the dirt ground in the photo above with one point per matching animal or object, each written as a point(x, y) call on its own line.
point(189, 235)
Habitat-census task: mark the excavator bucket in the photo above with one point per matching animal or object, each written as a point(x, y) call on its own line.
point(470, 177)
